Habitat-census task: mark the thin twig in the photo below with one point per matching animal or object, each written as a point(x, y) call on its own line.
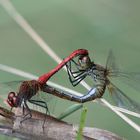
point(54, 129)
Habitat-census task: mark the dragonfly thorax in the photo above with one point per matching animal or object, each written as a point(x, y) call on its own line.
point(97, 72)
point(26, 91)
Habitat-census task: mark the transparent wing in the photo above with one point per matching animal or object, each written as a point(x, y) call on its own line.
point(13, 85)
point(130, 78)
point(122, 100)
point(111, 65)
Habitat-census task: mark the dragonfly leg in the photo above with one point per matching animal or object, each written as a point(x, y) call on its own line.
point(23, 110)
point(68, 65)
point(76, 81)
point(78, 78)
point(28, 115)
point(72, 73)
point(41, 104)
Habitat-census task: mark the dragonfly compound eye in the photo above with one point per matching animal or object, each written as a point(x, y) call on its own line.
point(11, 100)
point(84, 61)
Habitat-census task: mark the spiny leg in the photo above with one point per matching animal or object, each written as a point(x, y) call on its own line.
point(41, 104)
point(78, 78)
point(28, 113)
point(75, 74)
point(69, 69)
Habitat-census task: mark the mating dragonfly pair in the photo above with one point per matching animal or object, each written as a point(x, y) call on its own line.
point(83, 67)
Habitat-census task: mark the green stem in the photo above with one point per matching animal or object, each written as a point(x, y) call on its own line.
point(82, 124)
point(70, 110)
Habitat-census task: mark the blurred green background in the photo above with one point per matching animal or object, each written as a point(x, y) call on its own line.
point(96, 25)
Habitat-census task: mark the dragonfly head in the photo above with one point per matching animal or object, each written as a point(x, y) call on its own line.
point(84, 61)
point(12, 99)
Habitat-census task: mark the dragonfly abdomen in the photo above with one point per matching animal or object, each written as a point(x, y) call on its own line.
point(94, 93)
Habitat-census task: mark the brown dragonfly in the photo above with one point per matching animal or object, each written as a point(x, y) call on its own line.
point(102, 78)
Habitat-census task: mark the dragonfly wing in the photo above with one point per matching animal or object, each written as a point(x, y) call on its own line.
point(111, 65)
point(130, 78)
point(122, 100)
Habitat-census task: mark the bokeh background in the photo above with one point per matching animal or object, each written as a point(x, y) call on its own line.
point(96, 25)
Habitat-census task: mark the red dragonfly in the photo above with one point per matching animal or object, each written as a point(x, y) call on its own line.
point(28, 89)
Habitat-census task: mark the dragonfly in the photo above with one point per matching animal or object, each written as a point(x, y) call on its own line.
point(101, 76)
point(27, 90)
